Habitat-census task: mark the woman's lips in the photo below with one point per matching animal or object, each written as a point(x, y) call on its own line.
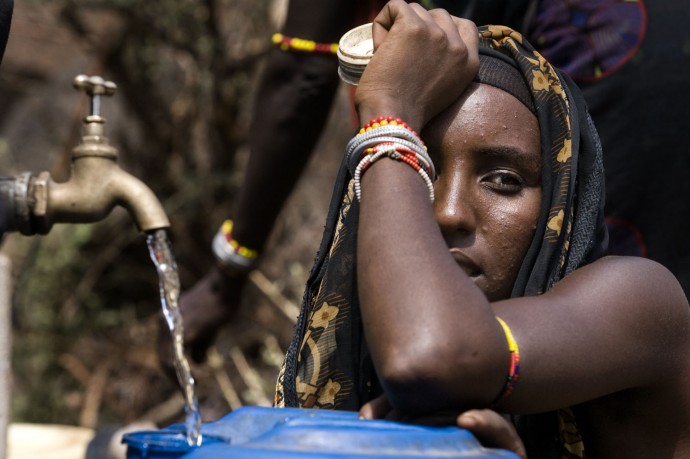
point(466, 263)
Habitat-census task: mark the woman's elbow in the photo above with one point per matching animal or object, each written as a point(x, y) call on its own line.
point(431, 378)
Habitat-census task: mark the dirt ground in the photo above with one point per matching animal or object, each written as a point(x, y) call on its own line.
point(85, 303)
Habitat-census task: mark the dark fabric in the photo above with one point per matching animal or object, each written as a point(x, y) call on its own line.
point(642, 113)
point(328, 364)
point(6, 8)
point(515, 14)
point(496, 70)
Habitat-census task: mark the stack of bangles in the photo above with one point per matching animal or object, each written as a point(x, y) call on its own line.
point(388, 137)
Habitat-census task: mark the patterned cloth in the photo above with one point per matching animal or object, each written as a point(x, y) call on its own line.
point(328, 364)
point(589, 39)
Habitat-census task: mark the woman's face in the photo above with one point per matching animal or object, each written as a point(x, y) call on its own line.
point(487, 151)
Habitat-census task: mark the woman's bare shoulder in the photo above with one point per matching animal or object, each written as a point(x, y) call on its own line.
point(632, 288)
point(640, 275)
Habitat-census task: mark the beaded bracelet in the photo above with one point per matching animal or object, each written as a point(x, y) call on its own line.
point(397, 132)
point(386, 136)
point(286, 43)
point(398, 150)
point(231, 253)
point(389, 133)
point(361, 149)
point(395, 152)
point(514, 370)
point(386, 121)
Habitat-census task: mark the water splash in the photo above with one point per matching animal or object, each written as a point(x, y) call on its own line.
point(160, 250)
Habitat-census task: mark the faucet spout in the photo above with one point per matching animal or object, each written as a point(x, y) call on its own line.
point(96, 184)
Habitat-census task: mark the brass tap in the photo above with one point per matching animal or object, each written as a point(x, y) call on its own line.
point(96, 185)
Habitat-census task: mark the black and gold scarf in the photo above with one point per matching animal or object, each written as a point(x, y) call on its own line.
point(328, 365)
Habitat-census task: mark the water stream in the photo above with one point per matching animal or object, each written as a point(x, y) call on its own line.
point(160, 250)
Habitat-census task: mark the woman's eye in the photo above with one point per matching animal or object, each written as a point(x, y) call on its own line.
point(504, 182)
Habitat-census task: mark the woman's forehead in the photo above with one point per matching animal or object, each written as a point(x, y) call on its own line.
point(486, 114)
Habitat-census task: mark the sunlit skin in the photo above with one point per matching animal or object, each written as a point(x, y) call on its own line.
point(488, 191)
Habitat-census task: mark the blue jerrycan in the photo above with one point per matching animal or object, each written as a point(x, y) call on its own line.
point(295, 433)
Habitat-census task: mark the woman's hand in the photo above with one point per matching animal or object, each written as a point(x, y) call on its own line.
point(489, 427)
point(492, 430)
point(423, 61)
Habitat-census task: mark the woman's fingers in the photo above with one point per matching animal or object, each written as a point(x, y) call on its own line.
point(461, 37)
point(378, 408)
point(423, 62)
point(385, 19)
point(492, 430)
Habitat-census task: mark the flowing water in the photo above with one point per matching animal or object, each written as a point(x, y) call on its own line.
point(160, 250)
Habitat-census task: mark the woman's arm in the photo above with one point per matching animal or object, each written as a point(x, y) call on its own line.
point(435, 340)
point(408, 283)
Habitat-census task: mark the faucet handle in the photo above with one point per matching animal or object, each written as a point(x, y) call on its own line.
point(95, 87)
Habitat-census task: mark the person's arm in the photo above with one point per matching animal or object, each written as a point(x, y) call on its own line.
point(390, 254)
point(294, 98)
point(433, 335)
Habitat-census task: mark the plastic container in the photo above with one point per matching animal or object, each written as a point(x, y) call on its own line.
point(355, 49)
point(291, 433)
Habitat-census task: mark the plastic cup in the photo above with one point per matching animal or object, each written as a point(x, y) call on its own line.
point(354, 53)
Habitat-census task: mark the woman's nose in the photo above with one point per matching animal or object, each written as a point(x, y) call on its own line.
point(453, 207)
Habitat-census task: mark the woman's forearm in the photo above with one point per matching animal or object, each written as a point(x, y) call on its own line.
point(412, 293)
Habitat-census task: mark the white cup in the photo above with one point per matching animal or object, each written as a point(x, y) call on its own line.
point(354, 52)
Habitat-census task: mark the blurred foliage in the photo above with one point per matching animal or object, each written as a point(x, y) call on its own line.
point(86, 295)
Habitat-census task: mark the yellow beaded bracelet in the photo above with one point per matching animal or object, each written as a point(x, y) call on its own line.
point(514, 370)
point(246, 252)
point(286, 43)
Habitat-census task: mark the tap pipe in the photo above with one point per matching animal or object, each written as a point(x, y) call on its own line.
point(32, 204)
point(96, 186)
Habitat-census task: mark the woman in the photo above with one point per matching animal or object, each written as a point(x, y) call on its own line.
point(497, 294)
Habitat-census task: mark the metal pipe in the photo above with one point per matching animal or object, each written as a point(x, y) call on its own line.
point(32, 204)
point(96, 185)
